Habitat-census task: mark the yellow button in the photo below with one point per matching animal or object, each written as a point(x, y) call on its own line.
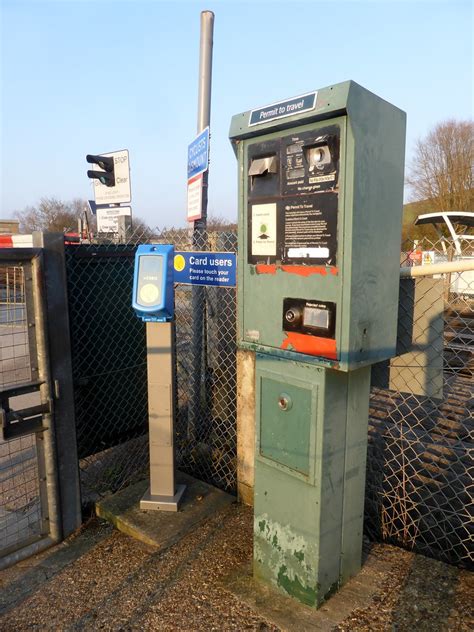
point(179, 263)
point(149, 293)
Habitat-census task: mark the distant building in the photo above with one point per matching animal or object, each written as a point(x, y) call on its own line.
point(9, 227)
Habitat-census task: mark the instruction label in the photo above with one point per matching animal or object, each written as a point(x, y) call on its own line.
point(310, 227)
point(310, 161)
point(107, 218)
point(205, 268)
point(264, 229)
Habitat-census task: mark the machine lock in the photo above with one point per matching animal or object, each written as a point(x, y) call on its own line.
point(294, 315)
point(284, 402)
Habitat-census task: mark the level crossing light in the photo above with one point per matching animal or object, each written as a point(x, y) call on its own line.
point(106, 163)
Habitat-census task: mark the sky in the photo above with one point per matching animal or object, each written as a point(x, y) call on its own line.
point(84, 76)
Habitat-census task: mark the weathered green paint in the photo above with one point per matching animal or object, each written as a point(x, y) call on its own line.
point(295, 588)
point(312, 525)
point(280, 547)
point(310, 458)
point(365, 289)
point(286, 440)
point(275, 542)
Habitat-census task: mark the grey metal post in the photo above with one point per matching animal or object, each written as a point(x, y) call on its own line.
point(163, 493)
point(124, 228)
point(59, 349)
point(204, 97)
point(199, 235)
point(48, 436)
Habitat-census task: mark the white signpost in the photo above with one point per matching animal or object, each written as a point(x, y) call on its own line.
point(107, 218)
point(120, 193)
point(194, 200)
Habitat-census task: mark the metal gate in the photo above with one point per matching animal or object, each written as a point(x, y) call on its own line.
point(29, 516)
point(109, 367)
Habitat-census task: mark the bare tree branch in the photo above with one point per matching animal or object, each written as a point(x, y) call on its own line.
point(441, 171)
point(51, 215)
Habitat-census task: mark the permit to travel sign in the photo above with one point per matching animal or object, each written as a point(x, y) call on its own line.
point(216, 269)
point(296, 105)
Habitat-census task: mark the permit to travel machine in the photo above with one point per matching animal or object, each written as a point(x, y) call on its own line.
point(320, 211)
point(153, 302)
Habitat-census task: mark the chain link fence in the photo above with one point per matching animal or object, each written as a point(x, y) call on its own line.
point(419, 471)
point(20, 506)
point(109, 366)
point(419, 491)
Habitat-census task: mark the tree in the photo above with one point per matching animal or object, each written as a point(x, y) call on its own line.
point(441, 170)
point(141, 230)
point(219, 223)
point(51, 215)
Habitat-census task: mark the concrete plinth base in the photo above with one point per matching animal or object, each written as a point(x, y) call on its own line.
point(292, 616)
point(163, 528)
point(162, 503)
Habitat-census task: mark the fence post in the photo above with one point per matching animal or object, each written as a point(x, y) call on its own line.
point(199, 241)
point(57, 317)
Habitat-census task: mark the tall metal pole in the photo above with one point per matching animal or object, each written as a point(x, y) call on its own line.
point(199, 231)
point(204, 96)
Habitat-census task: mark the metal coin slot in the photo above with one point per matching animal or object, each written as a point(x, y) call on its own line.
point(317, 157)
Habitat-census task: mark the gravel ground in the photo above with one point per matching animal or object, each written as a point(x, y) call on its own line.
point(116, 583)
point(417, 595)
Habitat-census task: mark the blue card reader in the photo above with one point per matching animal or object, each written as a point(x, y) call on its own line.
point(153, 279)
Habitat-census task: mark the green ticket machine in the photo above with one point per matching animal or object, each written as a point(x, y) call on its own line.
point(321, 194)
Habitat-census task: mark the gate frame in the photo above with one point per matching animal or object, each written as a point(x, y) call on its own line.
point(57, 322)
point(56, 442)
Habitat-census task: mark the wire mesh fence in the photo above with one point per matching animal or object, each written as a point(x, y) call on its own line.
point(419, 471)
point(20, 506)
point(419, 491)
point(109, 366)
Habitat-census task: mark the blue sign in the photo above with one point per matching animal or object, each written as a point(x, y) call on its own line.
point(296, 105)
point(205, 268)
point(198, 154)
point(92, 206)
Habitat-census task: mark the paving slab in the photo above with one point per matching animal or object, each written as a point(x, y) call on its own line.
point(290, 615)
point(162, 529)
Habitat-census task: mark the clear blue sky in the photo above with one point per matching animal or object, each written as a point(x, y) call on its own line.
point(84, 77)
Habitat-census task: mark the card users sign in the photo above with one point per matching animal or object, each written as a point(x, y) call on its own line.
point(205, 268)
